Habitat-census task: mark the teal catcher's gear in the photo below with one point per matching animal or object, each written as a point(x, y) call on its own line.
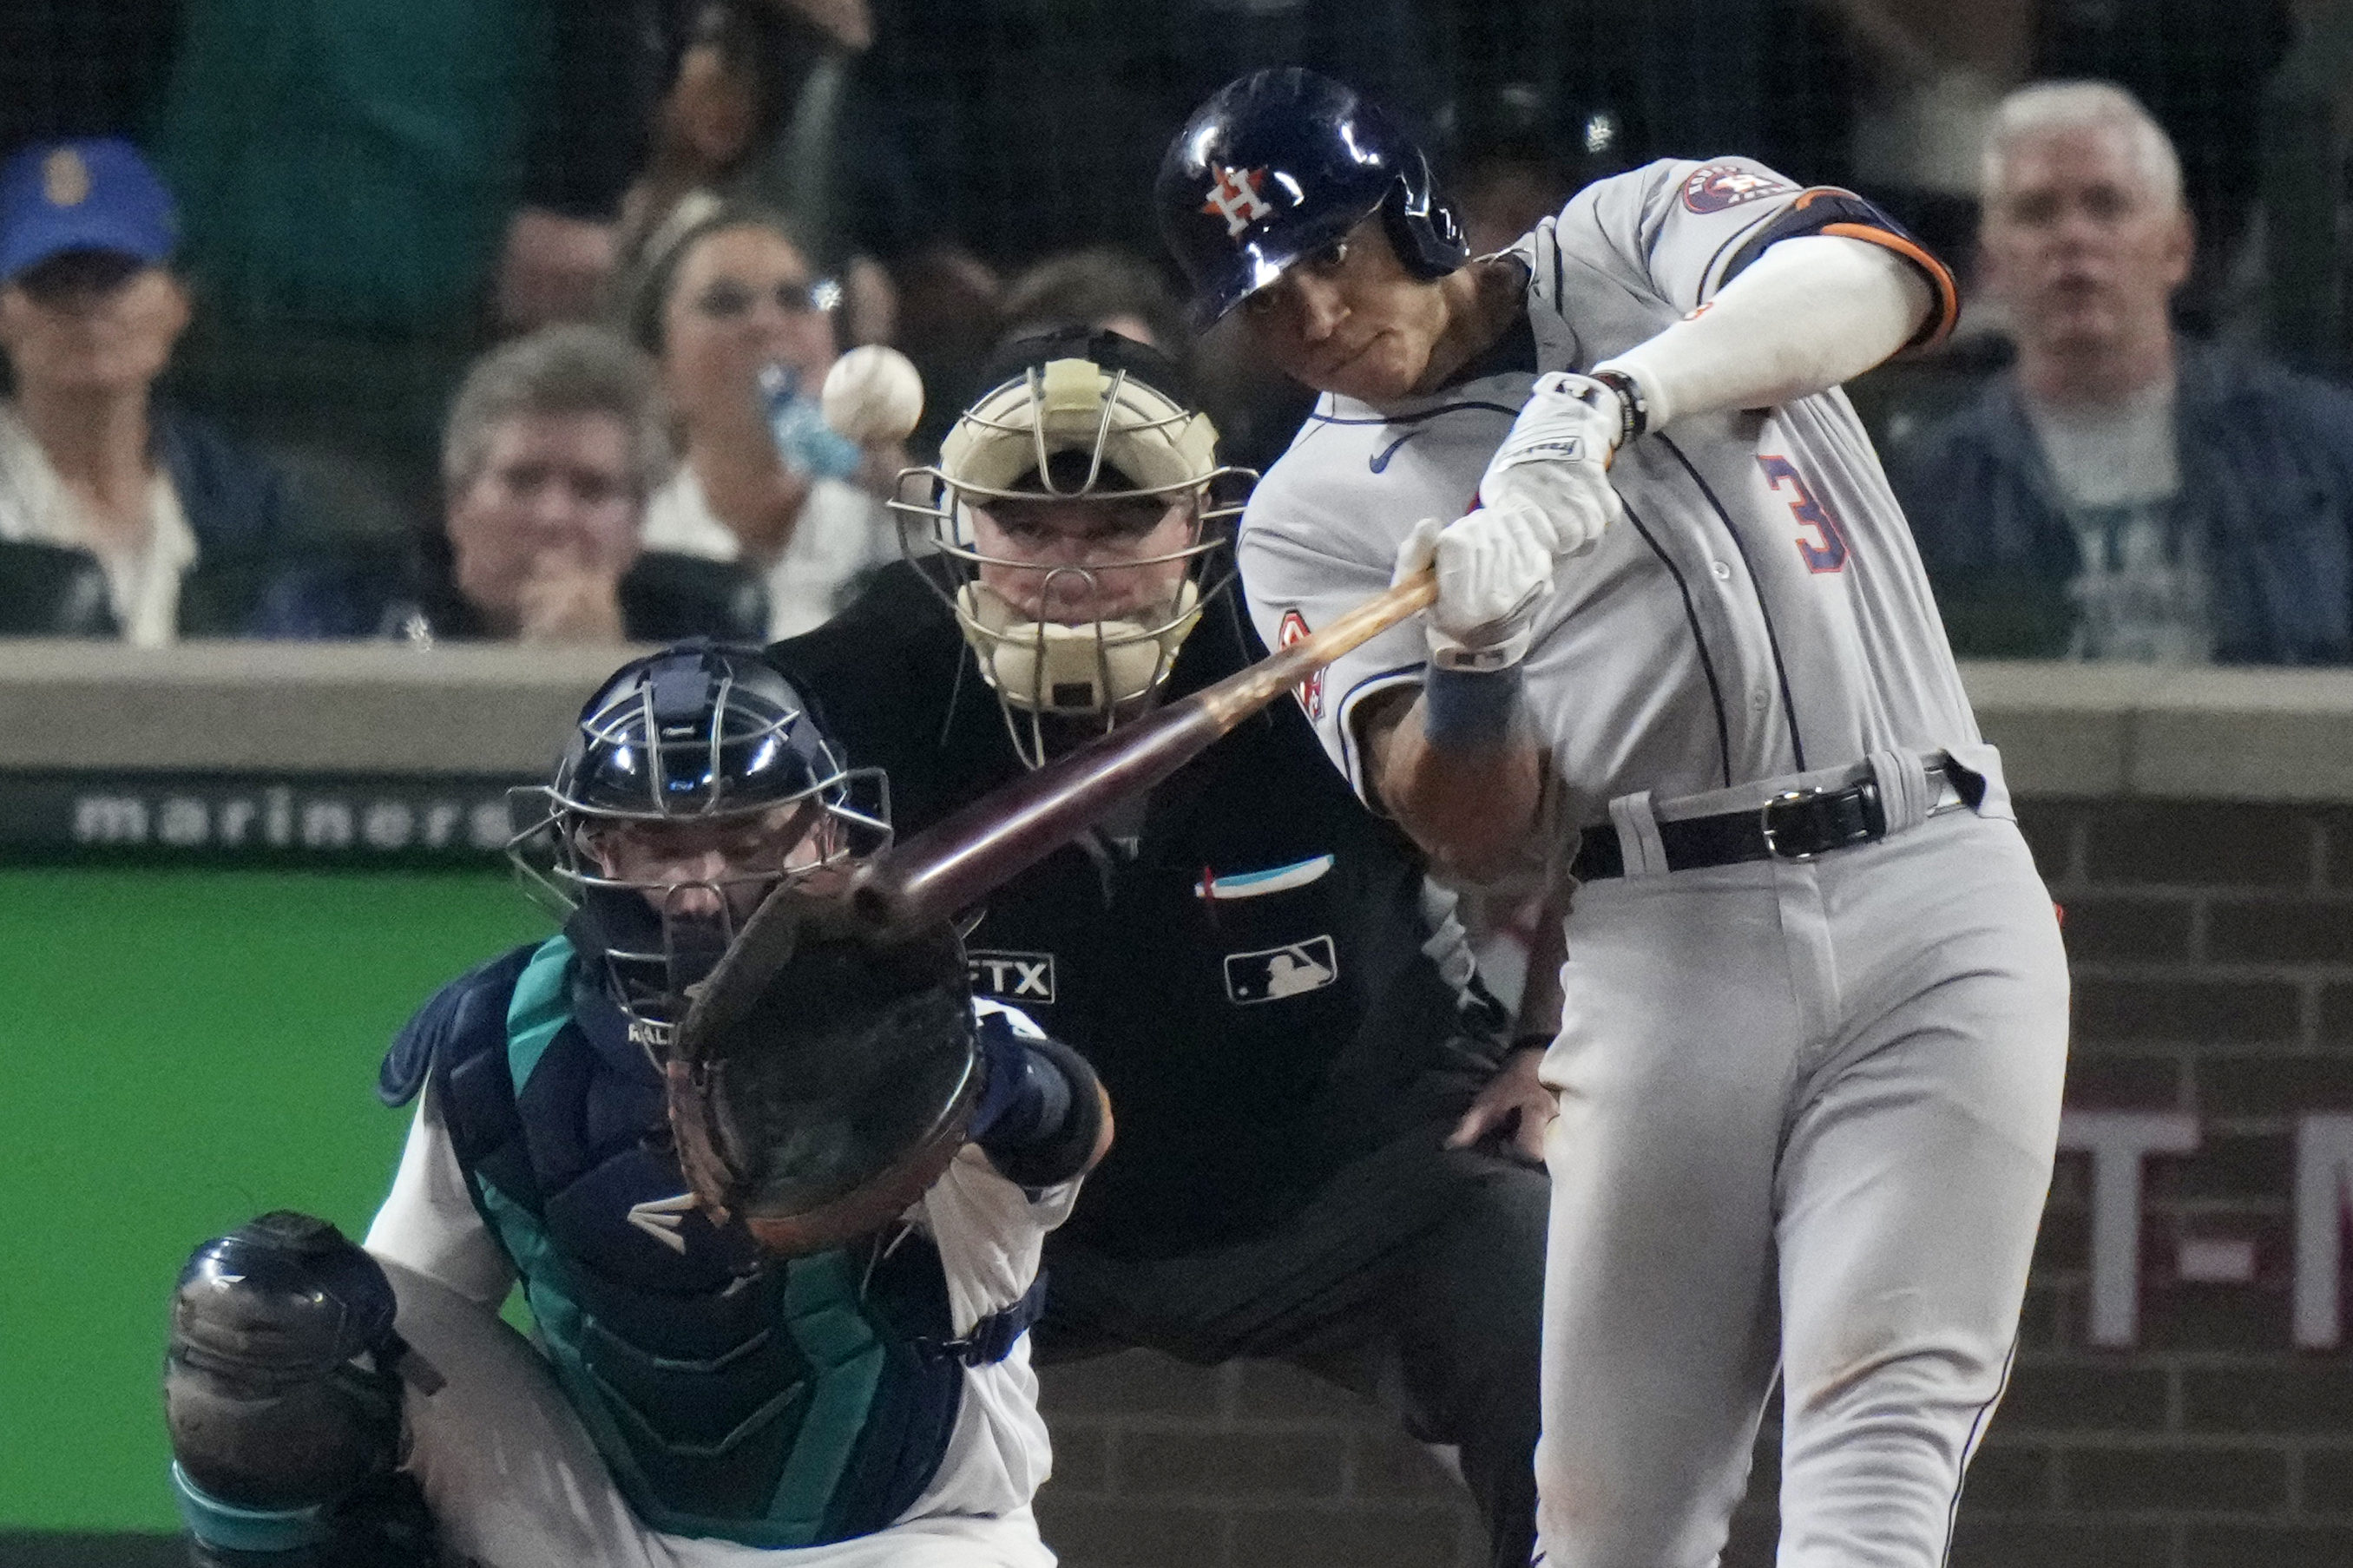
point(776, 1404)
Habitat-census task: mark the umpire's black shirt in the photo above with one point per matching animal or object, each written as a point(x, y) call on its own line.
point(1252, 1041)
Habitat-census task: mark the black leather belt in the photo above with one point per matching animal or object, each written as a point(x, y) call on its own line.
point(1795, 826)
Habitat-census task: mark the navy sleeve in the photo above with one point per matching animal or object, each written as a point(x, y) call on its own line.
point(1041, 1110)
point(475, 1000)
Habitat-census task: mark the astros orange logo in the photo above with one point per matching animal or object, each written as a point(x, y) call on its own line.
point(1235, 198)
point(1309, 692)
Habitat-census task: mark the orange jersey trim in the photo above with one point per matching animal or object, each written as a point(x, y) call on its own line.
point(1939, 324)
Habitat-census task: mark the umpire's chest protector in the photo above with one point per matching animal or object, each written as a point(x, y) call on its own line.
point(1252, 963)
point(777, 1406)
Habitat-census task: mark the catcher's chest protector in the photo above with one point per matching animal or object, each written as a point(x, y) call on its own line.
point(796, 1404)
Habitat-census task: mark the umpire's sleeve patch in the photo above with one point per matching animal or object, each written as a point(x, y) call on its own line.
point(1826, 209)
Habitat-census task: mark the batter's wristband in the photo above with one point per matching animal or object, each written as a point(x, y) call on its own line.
point(1465, 711)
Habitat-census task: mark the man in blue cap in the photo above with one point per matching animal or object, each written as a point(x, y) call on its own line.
point(108, 504)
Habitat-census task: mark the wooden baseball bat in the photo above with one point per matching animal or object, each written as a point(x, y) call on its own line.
point(959, 860)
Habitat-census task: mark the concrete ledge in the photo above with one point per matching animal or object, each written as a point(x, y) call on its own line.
point(2197, 735)
point(373, 708)
point(292, 707)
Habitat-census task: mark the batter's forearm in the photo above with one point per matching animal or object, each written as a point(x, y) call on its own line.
point(1472, 807)
point(1807, 315)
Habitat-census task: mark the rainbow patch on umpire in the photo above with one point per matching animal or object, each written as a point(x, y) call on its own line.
point(1279, 972)
point(1258, 884)
point(1713, 187)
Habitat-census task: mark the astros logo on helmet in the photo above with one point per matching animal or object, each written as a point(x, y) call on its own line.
point(1235, 198)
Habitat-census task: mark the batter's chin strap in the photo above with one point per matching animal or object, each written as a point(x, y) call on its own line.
point(992, 1338)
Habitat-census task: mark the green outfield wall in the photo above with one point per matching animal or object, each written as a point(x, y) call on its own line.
point(184, 1048)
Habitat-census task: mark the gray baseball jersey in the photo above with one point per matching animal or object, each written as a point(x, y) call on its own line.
point(1761, 613)
point(1807, 1107)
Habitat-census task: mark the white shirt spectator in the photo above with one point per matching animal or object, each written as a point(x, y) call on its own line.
point(842, 534)
point(36, 507)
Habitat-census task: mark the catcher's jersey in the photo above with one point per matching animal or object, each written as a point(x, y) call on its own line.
point(633, 1294)
point(1761, 611)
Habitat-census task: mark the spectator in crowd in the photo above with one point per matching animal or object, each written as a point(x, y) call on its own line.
point(760, 108)
point(605, 67)
point(554, 442)
point(744, 329)
point(347, 170)
point(2125, 492)
point(117, 516)
point(1103, 288)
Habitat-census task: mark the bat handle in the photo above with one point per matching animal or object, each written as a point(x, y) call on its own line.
point(1238, 696)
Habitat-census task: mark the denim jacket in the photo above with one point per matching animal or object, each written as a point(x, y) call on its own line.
point(2266, 459)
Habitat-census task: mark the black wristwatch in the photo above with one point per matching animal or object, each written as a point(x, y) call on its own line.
point(1633, 412)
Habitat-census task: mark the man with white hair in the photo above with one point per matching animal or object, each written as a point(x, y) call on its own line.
point(553, 444)
point(2124, 493)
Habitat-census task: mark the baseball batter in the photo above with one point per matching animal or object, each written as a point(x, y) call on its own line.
point(1815, 1027)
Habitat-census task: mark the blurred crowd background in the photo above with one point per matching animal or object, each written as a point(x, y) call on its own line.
point(436, 319)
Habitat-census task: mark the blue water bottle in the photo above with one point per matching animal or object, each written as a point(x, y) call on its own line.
point(805, 442)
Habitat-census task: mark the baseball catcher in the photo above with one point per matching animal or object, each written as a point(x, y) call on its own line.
point(813, 1343)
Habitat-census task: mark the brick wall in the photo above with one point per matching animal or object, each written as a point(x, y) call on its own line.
point(2213, 960)
point(1161, 1465)
point(2213, 950)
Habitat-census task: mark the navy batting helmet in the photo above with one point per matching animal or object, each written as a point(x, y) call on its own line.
point(1279, 164)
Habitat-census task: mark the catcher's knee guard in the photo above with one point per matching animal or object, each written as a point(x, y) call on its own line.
point(282, 1393)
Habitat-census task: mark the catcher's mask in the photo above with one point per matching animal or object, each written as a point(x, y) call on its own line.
point(1078, 524)
point(695, 784)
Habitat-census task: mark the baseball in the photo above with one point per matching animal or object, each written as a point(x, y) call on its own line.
point(873, 396)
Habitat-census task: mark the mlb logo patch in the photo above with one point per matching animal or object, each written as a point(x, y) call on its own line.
point(1280, 972)
point(1309, 692)
point(1715, 186)
point(1013, 976)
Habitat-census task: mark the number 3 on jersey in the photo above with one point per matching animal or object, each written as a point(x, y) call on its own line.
point(1829, 553)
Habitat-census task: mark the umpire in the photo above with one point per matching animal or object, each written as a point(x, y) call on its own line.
point(1327, 1143)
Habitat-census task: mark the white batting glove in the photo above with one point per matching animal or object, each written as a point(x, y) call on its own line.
point(1494, 569)
point(1556, 461)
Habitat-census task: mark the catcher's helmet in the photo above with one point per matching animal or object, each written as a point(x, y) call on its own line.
point(1279, 164)
point(698, 732)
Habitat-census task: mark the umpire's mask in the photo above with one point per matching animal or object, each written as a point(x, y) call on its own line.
point(1077, 525)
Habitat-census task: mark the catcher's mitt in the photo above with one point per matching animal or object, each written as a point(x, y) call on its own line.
point(822, 1080)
